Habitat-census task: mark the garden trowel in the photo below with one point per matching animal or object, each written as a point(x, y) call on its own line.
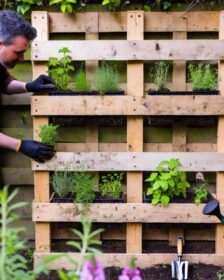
point(179, 267)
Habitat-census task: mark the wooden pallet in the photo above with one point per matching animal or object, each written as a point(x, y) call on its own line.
point(133, 157)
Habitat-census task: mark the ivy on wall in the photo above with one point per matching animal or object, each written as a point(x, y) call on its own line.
point(69, 6)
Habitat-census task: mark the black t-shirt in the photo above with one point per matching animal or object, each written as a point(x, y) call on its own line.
point(5, 79)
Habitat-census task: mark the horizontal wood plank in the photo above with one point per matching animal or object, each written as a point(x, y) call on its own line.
point(118, 50)
point(122, 147)
point(123, 260)
point(132, 161)
point(122, 213)
point(127, 105)
point(75, 23)
point(117, 22)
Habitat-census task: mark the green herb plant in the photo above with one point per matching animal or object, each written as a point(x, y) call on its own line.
point(106, 79)
point(167, 183)
point(13, 265)
point(81, 83)
point(161, 76)
point(26, 5)
point(202, 76)
point(48, 134)
point(111, 185)
point(66, 6)
point(60, 69)
point(83, 187)
point(88, 241)
point(63, 182)
point(200, 191)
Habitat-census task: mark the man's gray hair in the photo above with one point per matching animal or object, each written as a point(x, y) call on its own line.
point(12, 25)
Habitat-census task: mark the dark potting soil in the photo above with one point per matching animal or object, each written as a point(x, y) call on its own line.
point(159, 272)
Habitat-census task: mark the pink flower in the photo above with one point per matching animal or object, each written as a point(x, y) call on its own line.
point(92, 271)
point(200, 176)
point(130, 274)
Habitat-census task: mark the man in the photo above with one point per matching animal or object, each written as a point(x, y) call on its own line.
point(15, 37)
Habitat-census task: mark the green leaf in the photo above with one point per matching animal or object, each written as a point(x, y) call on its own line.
point(105, 2)
point(150, 191)
point(156, 185)
point(165, 200)
point(53, 2)
point(165, 176)
point(147, 8)
point(152, 177)
point(166, 5)
point(164, 185)
point(155, 201)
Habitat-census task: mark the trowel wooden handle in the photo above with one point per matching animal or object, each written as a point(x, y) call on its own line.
point(179, 246)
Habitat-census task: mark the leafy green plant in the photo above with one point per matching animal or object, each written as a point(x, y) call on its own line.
point(112, 5)
point(202, 77)
point(48, 134)
point(111, 185)
point(167, 182)
point(80, 82)
point(88, 241)
point(160, 75)
point(83, 186)
point(60, 69)
point(26, 5)
point(13, 265)
point(66, 6)
point(63, 182)
point(200, 191)
point(106, 79)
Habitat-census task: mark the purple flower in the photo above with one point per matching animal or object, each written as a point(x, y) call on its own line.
point(130, 274)
point(92, 271)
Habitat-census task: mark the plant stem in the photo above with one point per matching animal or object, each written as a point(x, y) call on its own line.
point(3, 237)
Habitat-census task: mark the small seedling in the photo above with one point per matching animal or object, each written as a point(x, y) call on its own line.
point(48, 134)
point(63, 182)
point(200, 191)
point(60, 69)
point(106, 79)
point(161, 76)
point(202, 77)
point(111, 185)
point(80, 82)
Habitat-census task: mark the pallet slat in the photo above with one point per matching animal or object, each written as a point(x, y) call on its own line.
point(142, 260)
point(132, 50)
point(122, 213)
point(132, 161)
point(127, 105)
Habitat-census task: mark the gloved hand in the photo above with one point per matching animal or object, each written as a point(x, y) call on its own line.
point(36, 150)
point(43, 82)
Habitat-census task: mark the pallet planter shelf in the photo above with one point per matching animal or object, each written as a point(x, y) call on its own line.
point(133, 156)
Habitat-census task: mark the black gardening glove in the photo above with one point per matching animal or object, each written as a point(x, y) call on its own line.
point(42, 83)
point(36, 150)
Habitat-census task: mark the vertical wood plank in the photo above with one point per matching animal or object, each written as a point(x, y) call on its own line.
point(135, 87)
point(219, 248)
point(92, 131)
point(41, 179)
point(179, 129)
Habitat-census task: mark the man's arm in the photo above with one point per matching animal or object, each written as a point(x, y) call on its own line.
point(16, 87)
point(42, 83)
point(8, 142)
point(33, 149)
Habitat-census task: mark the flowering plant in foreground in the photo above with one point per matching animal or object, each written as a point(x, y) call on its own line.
point(92, 270)
point(130, 273)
